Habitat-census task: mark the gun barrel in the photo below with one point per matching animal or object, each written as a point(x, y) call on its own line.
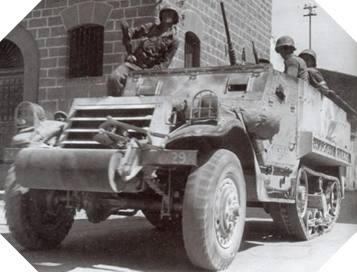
point(255, 53)
point(231, 52)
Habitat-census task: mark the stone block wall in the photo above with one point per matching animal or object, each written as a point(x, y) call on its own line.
point(50, 21)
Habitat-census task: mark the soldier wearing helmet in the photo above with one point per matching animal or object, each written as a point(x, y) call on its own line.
point(294, 65)
point(315, 77)
point(60, 116)
point(158, 46)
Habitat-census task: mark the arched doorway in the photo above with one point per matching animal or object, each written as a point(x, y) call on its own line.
point(11, 89)
point(194, 29)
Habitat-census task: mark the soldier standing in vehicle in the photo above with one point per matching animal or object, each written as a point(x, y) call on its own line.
point(294, 66)
point(315, 77)
point(156, 50)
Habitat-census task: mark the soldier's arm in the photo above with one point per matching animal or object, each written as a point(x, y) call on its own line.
point(141, 31)
point(317, 81)
point(169, 55)
point(321, 83)
point(292, 68)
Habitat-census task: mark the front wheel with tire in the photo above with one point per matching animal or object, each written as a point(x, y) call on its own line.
point(214, 211)
point(36, 218)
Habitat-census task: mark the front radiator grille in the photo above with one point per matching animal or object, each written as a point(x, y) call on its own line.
point(85, 122)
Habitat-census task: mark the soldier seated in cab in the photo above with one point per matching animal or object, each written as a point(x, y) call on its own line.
point(158, 46)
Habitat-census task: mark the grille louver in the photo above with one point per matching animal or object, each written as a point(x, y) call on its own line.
point(85, 122)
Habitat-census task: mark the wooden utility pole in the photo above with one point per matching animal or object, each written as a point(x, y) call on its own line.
point(311, 13)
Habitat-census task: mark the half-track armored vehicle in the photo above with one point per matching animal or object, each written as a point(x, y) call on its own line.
point(192, 149)
point(189, 148)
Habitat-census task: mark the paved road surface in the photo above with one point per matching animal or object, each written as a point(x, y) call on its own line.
point(132, 244)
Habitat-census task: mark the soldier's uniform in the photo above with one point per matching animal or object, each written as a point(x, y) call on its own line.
point(315, 77)
point(155, 51)
point(294, 65)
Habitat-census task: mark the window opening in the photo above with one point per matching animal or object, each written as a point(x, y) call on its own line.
point(192, 50)
point(86, 51)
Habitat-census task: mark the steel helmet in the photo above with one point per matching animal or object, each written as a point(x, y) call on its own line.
point(284, 41)
point(60, 115)
point(309, 52)
point(170, 7)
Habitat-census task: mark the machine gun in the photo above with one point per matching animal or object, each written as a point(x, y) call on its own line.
point(231, 52)
point(255, 53)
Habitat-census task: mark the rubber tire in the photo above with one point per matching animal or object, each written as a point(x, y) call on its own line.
point(199, 226)
point(31, 224)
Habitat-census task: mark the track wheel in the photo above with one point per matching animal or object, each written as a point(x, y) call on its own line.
point(310, 221)
point(36, 218)
point(291, 218)
point(214, 209)
point(333, 201)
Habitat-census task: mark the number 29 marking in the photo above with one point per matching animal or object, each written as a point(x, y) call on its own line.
point(179, 157)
